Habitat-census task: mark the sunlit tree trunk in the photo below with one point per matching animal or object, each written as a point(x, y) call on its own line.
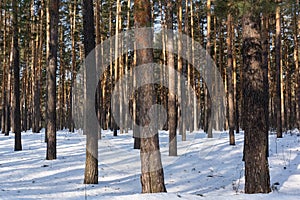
point(235, 84)
point(230, 81)
point(278, 72)
point(152, 176)
point(91, 162)
point(48, 33)
point(296, 24)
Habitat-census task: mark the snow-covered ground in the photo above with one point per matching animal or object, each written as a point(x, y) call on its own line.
point(204, 168)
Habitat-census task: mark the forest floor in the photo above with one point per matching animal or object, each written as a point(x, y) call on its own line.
point(204, 168)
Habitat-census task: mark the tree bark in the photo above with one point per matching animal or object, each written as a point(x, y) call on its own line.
point(257, 175)
point(15, 64)
point(73, 69)
point(230, 83)
point(208, 125)
point(52, 66)
point(152, 177)
point(172, 114)
point(278, 73)
point(297, 69)
point(4, 83)
point(91, 162)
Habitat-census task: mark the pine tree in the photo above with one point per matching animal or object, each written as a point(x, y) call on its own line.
point(91, 162)
point(152, 177)
point(255, 98)
point(52, 66)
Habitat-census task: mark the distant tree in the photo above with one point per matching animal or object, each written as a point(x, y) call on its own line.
point(279, 96)
point(230, 80)
point(207, 124)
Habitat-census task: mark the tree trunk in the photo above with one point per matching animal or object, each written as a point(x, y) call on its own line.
point(52, 66)
point(34, 69)
point(16, 88)
point(172, 114)
point(73, 69)
point(235, 86)
point(61, 91)
point(278, 73)
point(257, 175)
point(8, 100)
point(152, 177)
point(91, 162)
point(4, 83)
point(297, 69)
point(265, 65)
point(47, 68)
point(193, 70)
point(181, 92)
point(208, 125)
point(230, 83)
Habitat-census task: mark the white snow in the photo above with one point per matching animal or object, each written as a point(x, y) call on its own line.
point(204, 168)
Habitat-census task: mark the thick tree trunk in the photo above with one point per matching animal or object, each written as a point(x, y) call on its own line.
point(91, 162)
point(152, 177)
point(255, 106)
point(52, 66)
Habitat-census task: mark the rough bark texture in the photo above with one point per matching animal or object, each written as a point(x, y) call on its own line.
point(265, 64)
point(52, 66)
point(91, 162)
point(152, 177)
point(255, 105)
